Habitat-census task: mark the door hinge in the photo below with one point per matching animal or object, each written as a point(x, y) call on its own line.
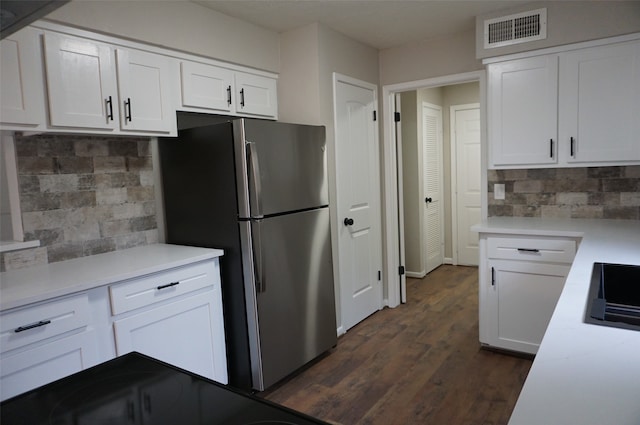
point(379, 275)
point(375, 116)
point(401, 270)
point(396, 117)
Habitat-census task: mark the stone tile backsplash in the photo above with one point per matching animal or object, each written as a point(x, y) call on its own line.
point(83, 195)
point(598, 192)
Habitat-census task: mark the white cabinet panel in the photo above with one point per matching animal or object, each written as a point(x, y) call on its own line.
point(206, 86)
point(256, 95)
point(184, 333)
point(521, 279)
point(144, 91)
point(600, 104)
point(521, 300)
point(81, 82)
point(30, 325)
point(21, 82)
point(43, 363)
point(147, 290)
point(523, 97)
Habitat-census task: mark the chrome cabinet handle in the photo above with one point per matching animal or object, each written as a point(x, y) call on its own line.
point(242, 97)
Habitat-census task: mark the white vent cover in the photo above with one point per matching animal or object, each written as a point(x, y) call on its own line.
point(514, 29)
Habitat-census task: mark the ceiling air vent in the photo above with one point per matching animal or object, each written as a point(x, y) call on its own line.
point(514, 29)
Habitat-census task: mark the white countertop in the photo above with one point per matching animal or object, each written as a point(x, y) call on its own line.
point(583, 374)
point(34, 284)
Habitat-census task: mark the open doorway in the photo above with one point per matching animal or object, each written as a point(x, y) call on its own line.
point(462, 92)
point(439, 129)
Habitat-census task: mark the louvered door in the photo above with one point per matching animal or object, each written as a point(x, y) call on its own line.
point(433, 232)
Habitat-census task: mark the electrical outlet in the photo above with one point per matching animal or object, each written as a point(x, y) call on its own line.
point(498, 191)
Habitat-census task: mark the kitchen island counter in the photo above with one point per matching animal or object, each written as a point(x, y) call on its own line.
point(583, 373)
point(26, 286)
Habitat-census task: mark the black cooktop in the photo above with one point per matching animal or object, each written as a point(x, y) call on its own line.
point(136, 389)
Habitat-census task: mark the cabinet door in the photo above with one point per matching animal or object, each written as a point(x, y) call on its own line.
point(21, 88)
point(188, 333)
point(522, 100)
point(600, 104)
point(206, 86)
point(81, 83)
point(521, 297)
point(256, 95)
point(43, 363)
point(144, 88)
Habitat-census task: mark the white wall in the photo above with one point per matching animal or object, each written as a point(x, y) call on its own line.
point(568, 22)
point(430, 58)
point(177, 25)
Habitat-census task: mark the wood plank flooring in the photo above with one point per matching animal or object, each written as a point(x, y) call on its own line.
point(420, 363)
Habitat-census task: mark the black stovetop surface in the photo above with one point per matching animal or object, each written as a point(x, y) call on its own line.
point(136, 389)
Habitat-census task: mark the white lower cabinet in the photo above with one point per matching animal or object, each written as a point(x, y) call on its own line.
point(180, 333)
point(174, 315)
point(521, 279)
point(45, 342)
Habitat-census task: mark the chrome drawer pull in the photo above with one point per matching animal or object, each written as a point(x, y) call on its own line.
point(168, 285)
point(528, 250)
point(31, 326)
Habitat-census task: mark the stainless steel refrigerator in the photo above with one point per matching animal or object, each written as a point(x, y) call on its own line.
point(258, 190)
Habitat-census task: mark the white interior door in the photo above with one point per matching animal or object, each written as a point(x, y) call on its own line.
point(465, 123)
point(433, 223)
point(358, 195)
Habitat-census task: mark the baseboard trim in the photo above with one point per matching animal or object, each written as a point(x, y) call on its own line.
point(416, 275)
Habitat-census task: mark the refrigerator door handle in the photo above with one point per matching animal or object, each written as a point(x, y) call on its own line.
point(255, 190)
point(257, 257)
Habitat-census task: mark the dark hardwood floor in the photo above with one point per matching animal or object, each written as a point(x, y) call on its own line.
point(420, 363)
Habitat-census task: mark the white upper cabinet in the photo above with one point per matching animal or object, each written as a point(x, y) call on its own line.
point(89, 89)
point(60, 79)
point(206, 86)
point(218, 89)
point(571, 108)
point(21, 89)
point(144, 91)
point(523, 111)
point(600, 104)
point(256, 95)
point(81, 82)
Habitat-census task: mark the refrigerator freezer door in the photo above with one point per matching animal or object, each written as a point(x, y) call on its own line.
point(285, 166)
point(294, 295)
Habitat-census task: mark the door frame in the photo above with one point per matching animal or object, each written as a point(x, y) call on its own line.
point(391, 196)
point(454, 176)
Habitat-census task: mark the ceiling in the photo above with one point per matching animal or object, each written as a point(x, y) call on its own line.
point(377, 23)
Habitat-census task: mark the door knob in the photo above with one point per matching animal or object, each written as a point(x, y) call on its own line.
point(427, 200)
point(348, 221)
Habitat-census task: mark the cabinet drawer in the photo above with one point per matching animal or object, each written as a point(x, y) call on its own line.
point(32, 324)
point(144, 291)
point(531, 249)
